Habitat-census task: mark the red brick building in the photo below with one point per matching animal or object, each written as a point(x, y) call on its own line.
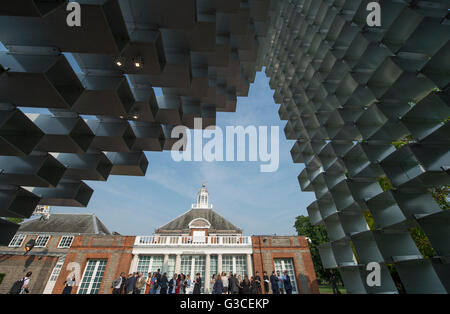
point(53, 239)
point(281, 253)
point(96, 261)
point(200, 240)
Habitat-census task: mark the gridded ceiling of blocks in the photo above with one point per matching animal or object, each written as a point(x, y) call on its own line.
point(349, 93)
point(95, 85)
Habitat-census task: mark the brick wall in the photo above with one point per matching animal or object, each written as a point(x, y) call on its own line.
point(40, 261)
point(268, 248)
point(114, 248)
point(16, 266)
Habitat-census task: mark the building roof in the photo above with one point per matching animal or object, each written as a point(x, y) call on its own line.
point(65, 223)
point(181, 223)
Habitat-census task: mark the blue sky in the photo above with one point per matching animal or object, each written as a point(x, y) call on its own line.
point(259, 203)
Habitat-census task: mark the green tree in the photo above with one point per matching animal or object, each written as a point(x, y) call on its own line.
point(440, 195)
point(317, 235)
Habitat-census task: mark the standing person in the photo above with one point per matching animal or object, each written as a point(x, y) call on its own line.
point(333, 282)
point(257, 283)
point(22, 285)
point(274, 283)
point(266, 282)
point(70, 282)
point(26, 283)
point(131, 284)
point(177, 289)
point(224, 283)
point(239, 280)
point(253, 285)
point(123, 286)
point(154, 284)
point(218, 285)
point(198, 284)
point(235, 286)
point(212, 282)
point(188, 285)
point(116, 284)
point(183, 284)
point(287, 283)
point(230, 283)
point(164, 283)
point(280, 282)
point(158, 279)
point(173, 284)
point(245, 285)
point(140, 283)
point(148, 284)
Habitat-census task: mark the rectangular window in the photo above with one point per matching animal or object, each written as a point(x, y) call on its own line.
point(227, 264)
point(150, 264)
point(241, 265)
point(17, 240)
point(282, 264)
point(157, 263)
point(199, 236)
point(143, 264)
point(55, 272)
point(186, 264)
point(171, 266)
point(66, 242)
point(213, 263)
point(200, 267)
point(93, 276)
point(41, 241)
point(54, 276)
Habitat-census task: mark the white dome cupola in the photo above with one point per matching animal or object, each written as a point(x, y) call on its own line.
point(202, 198)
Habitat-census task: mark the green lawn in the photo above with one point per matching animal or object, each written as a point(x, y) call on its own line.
point(326, 289)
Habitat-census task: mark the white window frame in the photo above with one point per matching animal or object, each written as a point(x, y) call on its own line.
point(54, 276)
point(199, 236)
point(42, 236)
point(65, 246)
point(283, 268)
point(94, 275)
point(15, 238)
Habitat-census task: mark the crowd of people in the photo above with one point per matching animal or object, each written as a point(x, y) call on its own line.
point(157, 283)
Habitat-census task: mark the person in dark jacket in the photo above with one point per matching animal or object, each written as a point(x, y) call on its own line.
point(230, 283)
point(130, 285)
point(163, 283)
point(257, 283)
point(198, 284)
point(218, 285)
point(234, 284)
point(158, 275)
point(245, 285)
point(287, 283)
point(172, 284)
point(274, 283)
point(266, 282)
point(253, 285)
point(333, 281)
